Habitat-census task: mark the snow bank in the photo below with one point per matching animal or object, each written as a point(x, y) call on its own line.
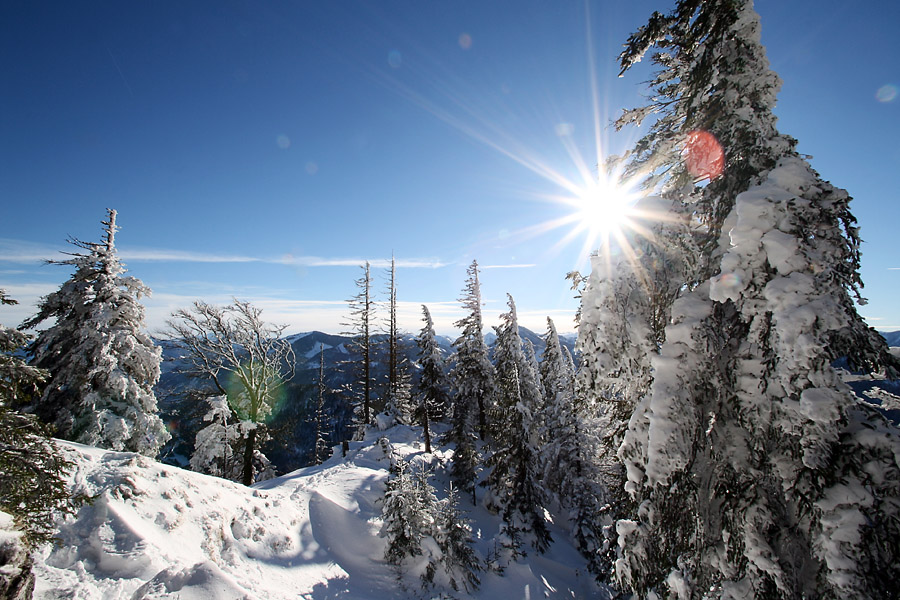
point(155, 531)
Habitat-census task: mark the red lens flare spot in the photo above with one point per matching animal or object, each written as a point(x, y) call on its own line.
point(703, 155)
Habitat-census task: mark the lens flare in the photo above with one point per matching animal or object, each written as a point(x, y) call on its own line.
point(886, 93)
point(239, 399)
point(703, 155)
point(465, 41)
point(395, 59)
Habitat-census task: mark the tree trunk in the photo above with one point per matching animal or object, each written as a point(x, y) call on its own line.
point(249, 447)
point(427, 432)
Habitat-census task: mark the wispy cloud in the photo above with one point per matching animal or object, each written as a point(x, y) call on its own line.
point(511, 266)
point(402, 263)
point(162, 255)
point(20, 251)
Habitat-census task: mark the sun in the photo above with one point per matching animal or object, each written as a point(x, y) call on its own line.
point(601, 211)
point(604, 209)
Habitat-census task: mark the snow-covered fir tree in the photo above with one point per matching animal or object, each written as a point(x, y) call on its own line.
point(246, 360)
point(473, 387)
point(754, 470)
point(568, 457)
point(625, 304)
point(19, 381)
point(432, 397)
point(427, 539)
point(102, 364)
point(459, 562)
point(513, 481)
point(407, 512)
point(32, 470)
point(557, 412)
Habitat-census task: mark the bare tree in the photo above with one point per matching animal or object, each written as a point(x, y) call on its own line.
point(359, 325)
point(244, 357)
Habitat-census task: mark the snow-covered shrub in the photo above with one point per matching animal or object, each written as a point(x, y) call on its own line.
point(219, 447)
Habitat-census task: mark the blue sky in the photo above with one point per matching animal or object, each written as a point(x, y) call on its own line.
point(263, 150)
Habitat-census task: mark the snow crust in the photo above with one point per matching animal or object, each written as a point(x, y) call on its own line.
point(155, 531)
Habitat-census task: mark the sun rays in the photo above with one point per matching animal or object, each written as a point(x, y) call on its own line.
point(595, 206)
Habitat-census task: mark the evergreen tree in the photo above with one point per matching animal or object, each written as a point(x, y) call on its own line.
point(362, 316)
point(426, 537)
point(746, 459)
point(19, 381)
point(557, 413)
point(473, 380)
point(460, 563)
point(321, 448)
point(533, 398)
point(407, 511)
point(245, 359)
point(433, 384)
point(33, 489)
point(102, 365)
point(713, 100)
point(513, 479)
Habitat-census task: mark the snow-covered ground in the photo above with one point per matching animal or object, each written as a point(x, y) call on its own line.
point(154, 531)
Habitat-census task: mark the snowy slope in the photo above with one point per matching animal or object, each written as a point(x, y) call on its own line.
point(155, 531)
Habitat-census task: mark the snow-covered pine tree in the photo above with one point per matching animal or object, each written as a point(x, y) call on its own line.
point(557, 413)
point(460, 563)
point(755, 471)
point(533, 395)
point(473, 381)
point(713, 100)
point(553, 367)
point(432, 398)
point(102, 365)
point(427, 538)
point(514, 477)
point(321, 448)
point(626, 303)
point(568, 459)
point(32, 470)
point(359, 326)
point(19, 381)
point(406, 514)
point(245, 359)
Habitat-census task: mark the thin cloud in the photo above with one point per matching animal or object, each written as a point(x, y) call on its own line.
point(160, 255)
point(511, 266)
point(378, 263)
point(20, 251)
